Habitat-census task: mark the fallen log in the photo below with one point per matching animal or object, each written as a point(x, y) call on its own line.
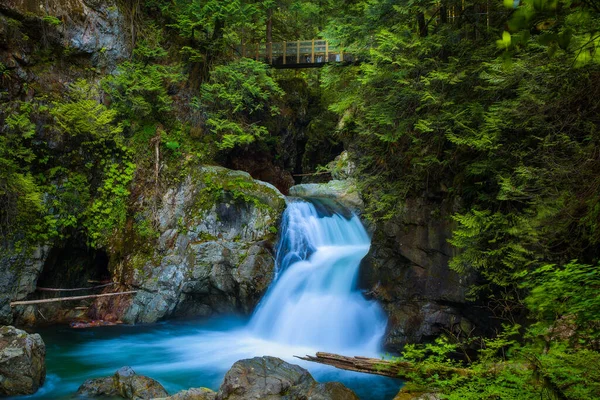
point(91, 296)
point(44, 289)
point(393, 369)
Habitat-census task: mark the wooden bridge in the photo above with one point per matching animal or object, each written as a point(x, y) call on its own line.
point(298, 54)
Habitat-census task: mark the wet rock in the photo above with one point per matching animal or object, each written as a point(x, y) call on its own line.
point(407, 271)
point(214, 253)
point(193, 394)
point(273, 378)
point(343, 191)
point(124, 383)
point(22, 357)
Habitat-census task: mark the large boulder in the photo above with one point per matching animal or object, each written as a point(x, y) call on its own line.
point(22, 367)
point(124, 383)
point(342, 191)
point(407, 271)
point(272, 378)
point(214, 253)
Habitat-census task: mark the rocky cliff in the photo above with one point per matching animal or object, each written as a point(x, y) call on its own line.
point(214, 252)
point(407, 271)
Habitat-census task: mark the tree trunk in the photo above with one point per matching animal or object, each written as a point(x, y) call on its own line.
point(269, 33)
point(422, 25)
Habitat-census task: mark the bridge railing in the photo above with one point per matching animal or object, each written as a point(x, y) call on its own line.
point(295, 53)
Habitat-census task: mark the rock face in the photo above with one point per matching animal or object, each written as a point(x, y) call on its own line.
point(407, 271)
point(214, 252)
point(86, 27)
point(22, 356)
point(272, 378)
point(124, 383)
point(19, 273)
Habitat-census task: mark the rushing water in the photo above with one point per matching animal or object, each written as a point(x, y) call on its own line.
point(313, 305)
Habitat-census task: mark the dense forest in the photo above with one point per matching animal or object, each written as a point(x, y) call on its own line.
point(493, 108)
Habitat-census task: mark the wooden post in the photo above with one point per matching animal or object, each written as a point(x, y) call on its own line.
point(284, 52)
point(297, 52)
point(312, 52)
point(341, 54)
point(326, 51)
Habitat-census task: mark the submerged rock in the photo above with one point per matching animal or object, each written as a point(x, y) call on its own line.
point(272, 378)
point(124, 383)
point(22, 357)
point(214, 252)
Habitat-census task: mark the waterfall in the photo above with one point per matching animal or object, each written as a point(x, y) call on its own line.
point(312, 305)
point(314, 300)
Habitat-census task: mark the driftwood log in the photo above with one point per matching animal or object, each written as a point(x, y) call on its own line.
point(393, 369)
point(44, 289)
point(91, 296)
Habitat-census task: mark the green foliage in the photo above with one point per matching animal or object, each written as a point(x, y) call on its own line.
point(21, 200)
point(566, 297)
point(139, 91)
point(85, 120)
point(108, 212)
point(236, 98)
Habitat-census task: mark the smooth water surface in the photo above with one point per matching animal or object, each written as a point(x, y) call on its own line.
point(313, 305)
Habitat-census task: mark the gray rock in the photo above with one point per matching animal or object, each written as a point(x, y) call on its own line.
point(272, 378)
point(22, 357)
point(342, 167)
point(124, 383)
point(192, 394)
point(96, 28)
point(19, 272)
point(214, 252)
point(6, 315)
point(343, 191)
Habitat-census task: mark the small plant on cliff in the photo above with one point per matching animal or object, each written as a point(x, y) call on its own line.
point(51, 20)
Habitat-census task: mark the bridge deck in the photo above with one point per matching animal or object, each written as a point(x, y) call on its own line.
point(296, 54)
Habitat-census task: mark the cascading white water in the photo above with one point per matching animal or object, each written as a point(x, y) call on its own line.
point(312, 305)
point(314, 300)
